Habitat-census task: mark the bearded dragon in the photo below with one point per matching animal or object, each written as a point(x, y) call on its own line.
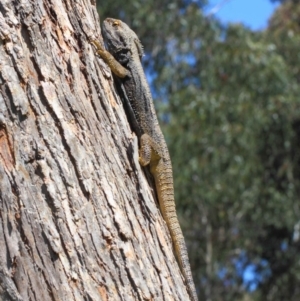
point(124, 58)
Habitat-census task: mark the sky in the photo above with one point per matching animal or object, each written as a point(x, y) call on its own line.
point(253, 13)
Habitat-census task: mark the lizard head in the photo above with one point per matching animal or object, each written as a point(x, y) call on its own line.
point(121, 41)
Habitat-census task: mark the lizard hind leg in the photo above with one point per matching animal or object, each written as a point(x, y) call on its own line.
point(145, 150)
point(149, 153)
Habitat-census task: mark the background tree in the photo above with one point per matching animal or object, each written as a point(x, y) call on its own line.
point(229, 101)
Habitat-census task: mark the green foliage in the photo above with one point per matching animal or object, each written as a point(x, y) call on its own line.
point(240, 170)
point(229, 103)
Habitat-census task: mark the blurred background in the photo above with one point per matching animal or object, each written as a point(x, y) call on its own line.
point(225, 81)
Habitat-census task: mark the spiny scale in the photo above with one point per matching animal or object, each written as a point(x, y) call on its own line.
point(124, 59)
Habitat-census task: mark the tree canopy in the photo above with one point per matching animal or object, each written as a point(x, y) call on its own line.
point(228, 99)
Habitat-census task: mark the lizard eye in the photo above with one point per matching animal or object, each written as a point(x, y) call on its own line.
point(116, 23)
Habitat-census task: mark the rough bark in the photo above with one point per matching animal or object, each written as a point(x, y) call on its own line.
point(78, 219)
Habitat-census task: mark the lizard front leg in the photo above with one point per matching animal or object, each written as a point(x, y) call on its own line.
point(114, 65)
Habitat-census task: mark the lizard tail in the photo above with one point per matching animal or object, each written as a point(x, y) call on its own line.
point(165, 189)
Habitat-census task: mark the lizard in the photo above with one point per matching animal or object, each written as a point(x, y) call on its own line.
point(124, 59)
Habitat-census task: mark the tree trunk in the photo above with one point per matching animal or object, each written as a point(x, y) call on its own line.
point(78, 219)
